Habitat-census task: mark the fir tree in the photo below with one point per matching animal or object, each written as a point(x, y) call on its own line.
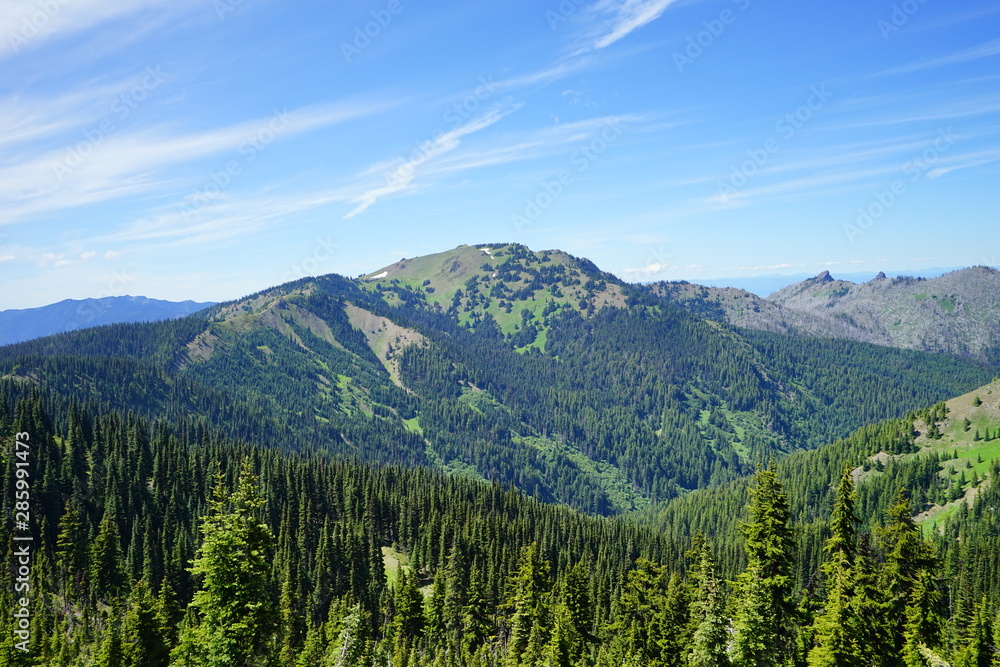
point(836, 628)
point(764, 618)
point(908, 586)
point(708, 644)
point(234, 601)
point(408, 623)
point(979, 648)
point(106, 569)
point(526, 598)
point(144, 642)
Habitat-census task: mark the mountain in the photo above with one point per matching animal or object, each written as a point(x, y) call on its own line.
point(532, 369)
point(766, 285)
point(957, 313)
point(72, 314)
point(945, 458)
point(338, 471)
point(145, 540)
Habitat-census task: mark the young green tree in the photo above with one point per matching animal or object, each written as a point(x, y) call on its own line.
point(836, 642)
point(908, 586)
point(408, 623)
point(765, 616)
point(144, 642)
point(708, 643)
point(979, 645)
point(237, 612)
point(109, 653)
point(572, 618)
point(106, 575)
point(527, 595)
point(477, 620)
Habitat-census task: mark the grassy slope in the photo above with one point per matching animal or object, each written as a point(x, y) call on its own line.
point(438, 277)
point(964, 454)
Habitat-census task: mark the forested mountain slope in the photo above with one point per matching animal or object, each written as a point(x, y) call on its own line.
point(532, 369)
point(167, 544)
point(957, 313)
point(946, 458)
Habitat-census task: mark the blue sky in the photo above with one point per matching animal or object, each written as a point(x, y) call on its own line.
point(206, 149)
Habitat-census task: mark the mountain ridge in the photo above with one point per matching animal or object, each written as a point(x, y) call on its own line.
point(532, 369)
point(18, 325)
point(957, 313)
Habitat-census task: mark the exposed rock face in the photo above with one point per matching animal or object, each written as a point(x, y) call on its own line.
point(958, 312)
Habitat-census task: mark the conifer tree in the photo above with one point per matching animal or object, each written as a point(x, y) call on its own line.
point(106, 568)
point(435, 608)
point(409, 603)
point(907, 585)
point(979, 647)
point(764, 618)
point(110, 651)
point(144, 641)
point(527, 590)
point(235, 599)
point(836, 629)
point(710, 637)
point(71, 546)
point(477, 621)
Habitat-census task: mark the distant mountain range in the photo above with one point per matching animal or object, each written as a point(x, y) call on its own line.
point(766, 285)
point(534, 369)
point(957, 313)
point(21, 325)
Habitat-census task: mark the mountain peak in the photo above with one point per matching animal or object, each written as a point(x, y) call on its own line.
point(881, 276)
point(824, 277)
point(518, 288)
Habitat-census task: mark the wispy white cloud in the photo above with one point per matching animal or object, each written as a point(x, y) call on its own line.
point(622, 17)
point(124, 164)
point(898, 112)
point(543, 76)
point(966, 161)
point(533, 144)
point(26, 24)
point(401, 178)
point(32, 119)
point(230, 216)
point(985, 50)
point(644, 272)
point(445, 155)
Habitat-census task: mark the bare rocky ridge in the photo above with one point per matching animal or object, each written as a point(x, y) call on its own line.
point(957, 313)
